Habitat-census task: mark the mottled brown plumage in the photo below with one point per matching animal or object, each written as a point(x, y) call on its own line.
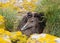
point(32, 23)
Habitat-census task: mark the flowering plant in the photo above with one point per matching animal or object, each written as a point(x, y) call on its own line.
point(12, 37)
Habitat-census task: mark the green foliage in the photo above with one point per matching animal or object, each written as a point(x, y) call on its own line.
point(51, 8)
point(10, 16)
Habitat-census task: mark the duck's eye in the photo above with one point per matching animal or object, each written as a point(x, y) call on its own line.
point(29, 15)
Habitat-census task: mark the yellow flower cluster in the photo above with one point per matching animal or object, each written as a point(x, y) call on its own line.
point(12, 37)
point(1, 18)
point(2, 22)
point(43, 38)
point(4, 37)
point(26, 5)
point(9, 5)
point(29, 6)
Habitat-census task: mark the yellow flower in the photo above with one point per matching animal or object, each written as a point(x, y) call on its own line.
point(8, 33)
point(42, 38)
point(10, 37)
point(1, 18)
point(30, 6)
point(2, 30)
point(2, 40)
point(22, 39)
point(18, 33)
point(2, 22)
point(48, 39)
point(14, 37)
